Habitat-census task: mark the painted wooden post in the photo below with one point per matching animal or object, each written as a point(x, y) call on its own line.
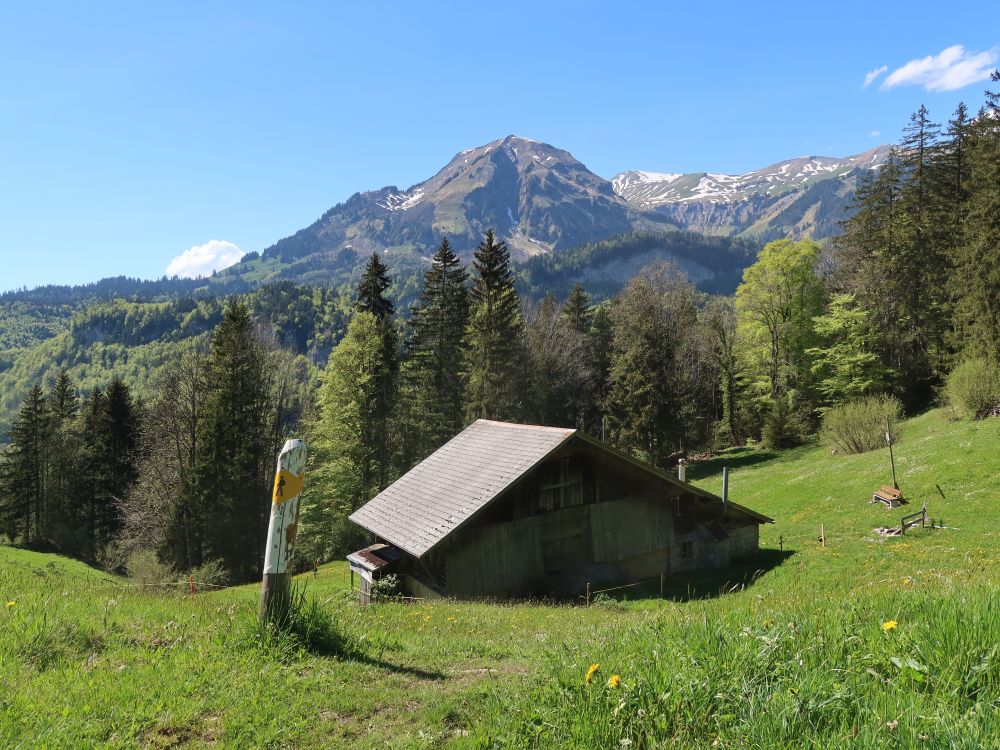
point(892, 460)
point(281, 530)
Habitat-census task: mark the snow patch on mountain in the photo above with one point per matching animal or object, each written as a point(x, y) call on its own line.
point(651, 189)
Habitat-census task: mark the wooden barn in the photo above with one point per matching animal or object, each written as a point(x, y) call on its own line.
point(506, 510)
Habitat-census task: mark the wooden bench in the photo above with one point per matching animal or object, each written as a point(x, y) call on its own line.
point(890, 497)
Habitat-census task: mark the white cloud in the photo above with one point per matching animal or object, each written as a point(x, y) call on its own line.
point(201, 260)
point(873, 74)
point(953, 68)
point(875, 134)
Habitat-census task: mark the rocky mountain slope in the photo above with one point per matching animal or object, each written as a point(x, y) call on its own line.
point(541, 200)
point(537, 197)
point(805, 196)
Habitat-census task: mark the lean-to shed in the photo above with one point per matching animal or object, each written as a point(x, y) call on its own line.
point(513, 510)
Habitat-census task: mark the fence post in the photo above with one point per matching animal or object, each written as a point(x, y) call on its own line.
point(662, 577)
point(282, 528)
point(588, 593)
point(191, 585)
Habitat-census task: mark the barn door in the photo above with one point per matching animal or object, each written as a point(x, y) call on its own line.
point(566, 539)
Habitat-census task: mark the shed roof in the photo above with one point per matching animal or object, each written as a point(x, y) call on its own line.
point(464, 475)
point(427, 503)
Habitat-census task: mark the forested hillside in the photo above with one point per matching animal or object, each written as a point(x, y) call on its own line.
point(840, 341)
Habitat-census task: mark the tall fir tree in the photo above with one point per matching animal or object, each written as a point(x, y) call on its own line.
point(560, 375)
point(599, 346)
point(646, 400)
point(434, 384)
point(371, 290)
point(495, 359)
point(239, 436)
point(976, 283)
point(23, 470)
point(112, 430)
point(576, 310)
point(371, 299)
point(64, 489)
point(348, 439)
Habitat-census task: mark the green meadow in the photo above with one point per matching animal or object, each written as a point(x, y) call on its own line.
point(861, 642)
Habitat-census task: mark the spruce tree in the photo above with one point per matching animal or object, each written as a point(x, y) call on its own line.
point(560, 375)
point(577, 311)
point(495, 358)
point(977, 273)
point(371, 299)
point(112, 426)
point(348, 439)
point(436, 348)
point(22, 479)
point(238, 440)
point(63, 486)
point(599, 344)
point(371, 289)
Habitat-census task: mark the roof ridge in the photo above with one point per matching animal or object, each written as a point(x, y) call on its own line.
point(522, 426)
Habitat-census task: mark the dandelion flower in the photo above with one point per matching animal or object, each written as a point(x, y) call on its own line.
point(590, 673)
point(889, 625)
point(614, 681)
point(11, 603)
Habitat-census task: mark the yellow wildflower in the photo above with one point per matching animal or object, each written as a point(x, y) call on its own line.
point(614, 681)
point(889, 625)
point(590, 673)
point(11, 603)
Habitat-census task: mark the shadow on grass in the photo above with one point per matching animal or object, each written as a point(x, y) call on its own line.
point(309, 627)
point(712, 466)
point(708, 584)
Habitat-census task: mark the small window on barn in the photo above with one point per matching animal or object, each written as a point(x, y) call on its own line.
point(687, 550)
point(563, 486)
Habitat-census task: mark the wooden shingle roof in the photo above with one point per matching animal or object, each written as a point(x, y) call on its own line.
point(464, 475)
point(427, 503)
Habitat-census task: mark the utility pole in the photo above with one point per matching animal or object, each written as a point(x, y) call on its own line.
point(281, 530)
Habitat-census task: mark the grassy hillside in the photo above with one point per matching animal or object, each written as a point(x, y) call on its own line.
point(799, 658)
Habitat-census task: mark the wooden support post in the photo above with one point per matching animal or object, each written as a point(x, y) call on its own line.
point(662, 579)
point(282, 528)
point(892, 460)
point(588, 593)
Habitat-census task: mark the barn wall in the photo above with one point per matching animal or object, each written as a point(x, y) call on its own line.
point(503, 558)
point(744, 541)
point(631, 527)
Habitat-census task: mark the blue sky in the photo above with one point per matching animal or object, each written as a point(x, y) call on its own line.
point(130, 133)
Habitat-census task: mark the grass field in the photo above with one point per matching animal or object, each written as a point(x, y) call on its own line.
point(860, 643)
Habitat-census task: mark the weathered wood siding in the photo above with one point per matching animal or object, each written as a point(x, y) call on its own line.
point(502, 558)
point(630, 528)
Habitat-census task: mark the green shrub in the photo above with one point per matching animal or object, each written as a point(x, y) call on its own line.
point(146, 570)
point(973, 389)
point(859, 426)
point(211, 574)
point(787, 422)
point(386, 587)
